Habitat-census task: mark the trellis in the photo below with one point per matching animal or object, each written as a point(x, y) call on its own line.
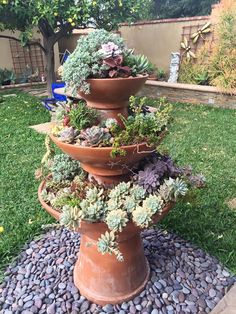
point(27, 58)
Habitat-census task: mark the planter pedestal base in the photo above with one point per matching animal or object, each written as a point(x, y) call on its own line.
point(102, 279)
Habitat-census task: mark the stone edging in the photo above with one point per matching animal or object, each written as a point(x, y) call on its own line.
point(13, 86)
point(188, 93)
point(192, 87)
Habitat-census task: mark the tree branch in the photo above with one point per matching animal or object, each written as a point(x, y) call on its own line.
point(30, 43)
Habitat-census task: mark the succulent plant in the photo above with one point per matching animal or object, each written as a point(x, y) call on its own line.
point(93, 206)
point(67, 135)
point(48, 197)
point(120, 190)
point(129, 204)
point(94, 194)
point(142, 217)
point(93, 212)
point(107, 244)
point(137, 192)
point(155, 170)
point(172, 188)
point(70, 217)
point(153, 203)
point(64, 168)
point(116, 220)
point(82, 116)
point(197, 181)
point(94, 136)
point(109, 123)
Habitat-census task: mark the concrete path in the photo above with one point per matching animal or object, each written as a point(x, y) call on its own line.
point(228, 304)
point(43, 128)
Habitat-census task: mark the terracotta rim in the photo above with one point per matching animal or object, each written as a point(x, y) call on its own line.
point(119, 78)
point(48, 208)
point(127, 147)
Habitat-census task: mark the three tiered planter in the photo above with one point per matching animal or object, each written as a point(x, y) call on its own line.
point(102, 278)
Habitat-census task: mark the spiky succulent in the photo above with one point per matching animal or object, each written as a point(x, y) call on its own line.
point(107, 244)
point(116, 220)
point(94, 137)
point(82, 116)
point(64, 168)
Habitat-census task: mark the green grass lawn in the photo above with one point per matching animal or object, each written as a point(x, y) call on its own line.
point(205, 138)
point(201, 136)
point(21, 150)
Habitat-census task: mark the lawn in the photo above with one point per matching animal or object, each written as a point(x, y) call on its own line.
point(21, 149)
point(205, 138)
point(201, 136)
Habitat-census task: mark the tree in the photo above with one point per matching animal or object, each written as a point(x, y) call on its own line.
point(56, 19)
point(181, 8)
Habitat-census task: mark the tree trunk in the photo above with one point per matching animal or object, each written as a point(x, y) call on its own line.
point(50, 64)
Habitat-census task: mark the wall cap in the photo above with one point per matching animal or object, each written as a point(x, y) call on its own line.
point(199, 88)
point(175, 20)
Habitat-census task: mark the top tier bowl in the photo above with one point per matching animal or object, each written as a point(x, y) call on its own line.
point(112, 93)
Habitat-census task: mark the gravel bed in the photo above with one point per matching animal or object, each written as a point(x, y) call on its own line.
point(183, 278)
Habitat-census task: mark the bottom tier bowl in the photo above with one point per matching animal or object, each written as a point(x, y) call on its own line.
point(103, 279)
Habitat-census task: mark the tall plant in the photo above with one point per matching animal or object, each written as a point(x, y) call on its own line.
point(223, 57)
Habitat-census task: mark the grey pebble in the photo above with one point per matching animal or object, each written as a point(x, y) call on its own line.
point(183, 279)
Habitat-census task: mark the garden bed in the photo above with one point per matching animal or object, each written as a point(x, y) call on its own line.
point(189, 93)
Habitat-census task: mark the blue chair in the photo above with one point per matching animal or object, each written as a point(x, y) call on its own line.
point(49, 103)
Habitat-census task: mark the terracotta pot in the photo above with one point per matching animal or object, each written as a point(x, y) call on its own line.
point(48, 208)
point(98, 161)
point(101, 278)
point(111, 96)
point(112, 93)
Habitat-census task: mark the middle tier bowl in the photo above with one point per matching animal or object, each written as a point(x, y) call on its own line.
point(97, 161)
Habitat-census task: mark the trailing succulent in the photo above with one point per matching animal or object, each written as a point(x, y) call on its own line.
point(64, 168)
point(101, 54)
point(125, 202)
point(157, 183)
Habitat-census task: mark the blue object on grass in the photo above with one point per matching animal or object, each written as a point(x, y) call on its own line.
point(49, 103)
point(57, 96)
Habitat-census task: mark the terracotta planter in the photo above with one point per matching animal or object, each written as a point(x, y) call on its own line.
point(99, 163)
point(54, 213)
point(101, 278)
point(111, 96)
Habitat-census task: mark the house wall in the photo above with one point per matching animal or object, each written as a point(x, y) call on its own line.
point(5, 51)
point(158, 39)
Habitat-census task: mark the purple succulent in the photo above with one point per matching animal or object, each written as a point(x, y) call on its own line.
point(67, 135)
point(155, 171)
